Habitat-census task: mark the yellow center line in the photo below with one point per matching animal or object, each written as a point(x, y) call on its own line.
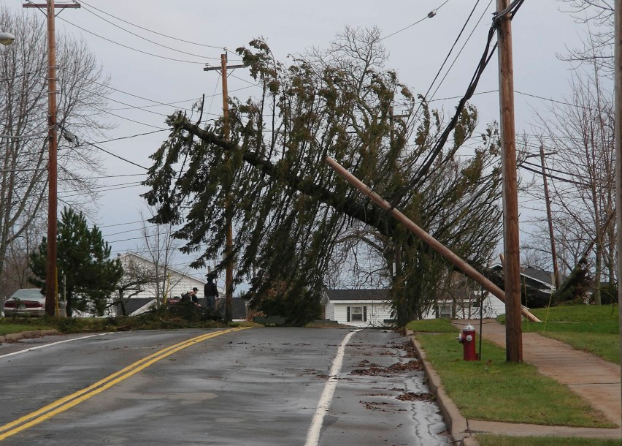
point(76, 398)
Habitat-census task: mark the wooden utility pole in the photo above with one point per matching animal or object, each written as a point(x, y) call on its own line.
point(549, 217)
point(51, 279)
point(618, 145)
point(424, 236)
point(511, 269)
point(228, 211)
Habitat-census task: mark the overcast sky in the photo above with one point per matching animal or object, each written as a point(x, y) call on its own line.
point(147, 74)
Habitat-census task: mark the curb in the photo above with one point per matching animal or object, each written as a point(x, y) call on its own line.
point(457, 425)
point(13, 337)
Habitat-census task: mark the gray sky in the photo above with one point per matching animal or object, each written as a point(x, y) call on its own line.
point(540, 31)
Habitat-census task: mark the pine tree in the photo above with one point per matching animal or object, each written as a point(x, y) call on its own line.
point(84, 267)
point(290, 209)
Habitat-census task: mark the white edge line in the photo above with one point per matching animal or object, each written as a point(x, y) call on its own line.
point(50, 345)
point(313, 434)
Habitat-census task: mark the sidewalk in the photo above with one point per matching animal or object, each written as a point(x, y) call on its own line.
point(592, 378)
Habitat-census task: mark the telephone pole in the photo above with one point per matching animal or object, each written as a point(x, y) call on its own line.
point(618, 144)
point(228, 207)
point(50, 278)
point(549, 217)
point(511, 268)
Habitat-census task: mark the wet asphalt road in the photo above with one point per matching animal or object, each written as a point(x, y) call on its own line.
point(253, 387)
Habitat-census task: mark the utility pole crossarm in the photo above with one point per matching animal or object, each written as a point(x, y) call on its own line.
point(45, 5)
point(229, 67)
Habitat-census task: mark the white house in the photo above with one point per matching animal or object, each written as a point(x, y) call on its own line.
point(359, 308)
point(464, 303)
point(178, 282)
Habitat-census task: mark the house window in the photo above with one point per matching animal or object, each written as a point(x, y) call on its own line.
point(357, 314)
point(444, 311)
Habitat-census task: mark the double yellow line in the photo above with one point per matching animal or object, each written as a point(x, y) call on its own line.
point(76, 398)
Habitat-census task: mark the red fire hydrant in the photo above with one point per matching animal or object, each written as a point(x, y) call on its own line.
point(467, 339)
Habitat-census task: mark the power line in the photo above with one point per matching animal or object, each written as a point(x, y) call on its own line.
point(137, 96)
point(554, 177)
point(440, 142)
point(458, 97)
point(430, 15)
point(131, 136)
point(122, 224)
point(135, 107)
point(143, 107)
point(581, 177)
point(144, 38)
point(131, 48)
point(463, 46)
point(244, 80)
point(447, 57)
point(118, 176)
point(128, 119)
point(104, 188)
point(150, 30)
point(115, 155)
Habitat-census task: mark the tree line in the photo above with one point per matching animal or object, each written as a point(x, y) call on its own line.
point(298, 228)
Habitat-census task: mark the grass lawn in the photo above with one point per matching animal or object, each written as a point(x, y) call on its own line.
point(496, 390)
point(498, 440)
point(432, 326)
point(7, 327)
point(591, 328)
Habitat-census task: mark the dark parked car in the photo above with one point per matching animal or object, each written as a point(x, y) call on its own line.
point(28, 301)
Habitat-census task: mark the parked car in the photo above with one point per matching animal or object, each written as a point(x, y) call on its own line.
point(28, 301)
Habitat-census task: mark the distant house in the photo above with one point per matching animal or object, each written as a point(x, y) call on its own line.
point(178, 283)
point(359, 308)
point(534, 277)
point(464, 300)
point(538, 285)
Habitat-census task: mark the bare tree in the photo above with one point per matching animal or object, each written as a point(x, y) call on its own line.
point(582, 135)
point(160, 248)
point(598, 47)
point(23, 124)
point(137, 277)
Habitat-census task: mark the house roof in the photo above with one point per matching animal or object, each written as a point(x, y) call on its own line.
point(136, 303)
point(377, 294)
point(537, 274)
point(144, 259)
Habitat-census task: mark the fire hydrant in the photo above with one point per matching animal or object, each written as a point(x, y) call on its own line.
point(467, 339)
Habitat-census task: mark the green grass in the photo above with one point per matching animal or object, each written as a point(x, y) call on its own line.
point(496, 390)
point(500, 440)
point(166, 318)
point(591, 328)
point(432, 326)
point(576, 318)
point(7, 327)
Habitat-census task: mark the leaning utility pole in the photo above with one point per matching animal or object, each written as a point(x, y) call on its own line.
point(51, 280)
point(511, 268)
point(549, 217)
point(229, 241)
point(618, 145)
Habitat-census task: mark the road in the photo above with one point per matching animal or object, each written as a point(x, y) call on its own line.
point(260, 386)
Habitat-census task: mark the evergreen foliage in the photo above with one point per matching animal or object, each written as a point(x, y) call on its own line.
point(290, 209)
point(90, 277)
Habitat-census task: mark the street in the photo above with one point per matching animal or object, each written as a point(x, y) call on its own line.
point(260, 386)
